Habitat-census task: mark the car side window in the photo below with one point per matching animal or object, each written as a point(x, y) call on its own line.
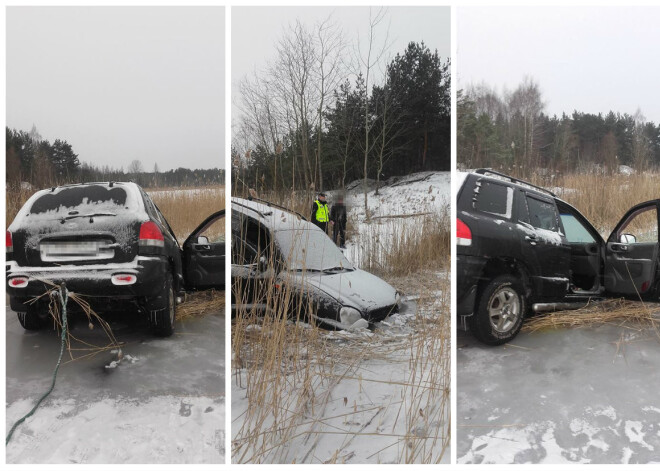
point(493, 198)
point(542, 214)
point(642, 225)
point(575, 231)
point(242, 253)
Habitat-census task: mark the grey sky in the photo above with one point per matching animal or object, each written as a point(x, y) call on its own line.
point(121, 83)
point(584, 58)
point(255, 30)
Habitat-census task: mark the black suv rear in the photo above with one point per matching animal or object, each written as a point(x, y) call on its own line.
point(520, 249)
point(110, 242)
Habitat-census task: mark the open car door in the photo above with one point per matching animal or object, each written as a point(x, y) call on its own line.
point(632, 251)
point(204, 254)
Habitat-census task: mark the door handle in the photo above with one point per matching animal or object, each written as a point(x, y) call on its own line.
point(203, 247)
point(619, 248)
point(531, 239)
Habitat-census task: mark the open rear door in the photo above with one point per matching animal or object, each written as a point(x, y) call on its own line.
point(204, 254)
point(631, 254)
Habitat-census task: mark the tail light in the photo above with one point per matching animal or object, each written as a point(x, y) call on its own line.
point(10, 243)
point(463, 233)
point(150, 235)
point(18, 282)
point(122, 279)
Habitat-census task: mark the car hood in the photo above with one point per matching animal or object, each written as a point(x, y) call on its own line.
point(357, 288)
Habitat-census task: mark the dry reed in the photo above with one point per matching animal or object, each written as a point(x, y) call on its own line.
point(619, 312)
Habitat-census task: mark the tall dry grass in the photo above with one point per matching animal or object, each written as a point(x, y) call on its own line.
point(186, 208)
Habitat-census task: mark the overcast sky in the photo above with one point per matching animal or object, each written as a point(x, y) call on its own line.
point(584, 58)
point(121, 83)
point(255, 31)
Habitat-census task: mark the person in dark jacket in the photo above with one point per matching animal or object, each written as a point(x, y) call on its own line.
point(338, 220)
point(320, 212)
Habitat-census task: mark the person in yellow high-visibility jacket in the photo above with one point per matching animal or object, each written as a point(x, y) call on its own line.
point(320, 212)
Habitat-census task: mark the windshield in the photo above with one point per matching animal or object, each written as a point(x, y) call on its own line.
point(310, 250)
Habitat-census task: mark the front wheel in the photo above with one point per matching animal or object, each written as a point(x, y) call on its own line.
point(500, 311)
point(162, 310)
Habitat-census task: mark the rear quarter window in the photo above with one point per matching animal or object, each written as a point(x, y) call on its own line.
point(493, 198)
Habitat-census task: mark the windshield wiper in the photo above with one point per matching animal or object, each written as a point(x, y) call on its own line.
point(329, 270)
point(305, 269)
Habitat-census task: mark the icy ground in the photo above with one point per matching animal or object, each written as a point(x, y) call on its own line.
point(377, 396)
point(162, 403)
point(585, 395)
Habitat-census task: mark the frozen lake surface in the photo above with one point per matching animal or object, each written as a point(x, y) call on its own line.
point(163, 403)
point(585, 395)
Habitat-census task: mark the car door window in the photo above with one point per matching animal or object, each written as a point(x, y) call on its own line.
point(542, 214)
point(575, 231)
point(642, 225)
point(493, 198)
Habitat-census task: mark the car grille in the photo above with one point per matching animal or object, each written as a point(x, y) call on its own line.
point(381, 313)
point(71, 251)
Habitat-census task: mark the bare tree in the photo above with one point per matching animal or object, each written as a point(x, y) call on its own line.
point(330, 49)
point(640, 145)
point(368, 60)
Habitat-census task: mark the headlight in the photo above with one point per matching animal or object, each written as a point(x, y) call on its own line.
point(397, 298)
point(349, 316)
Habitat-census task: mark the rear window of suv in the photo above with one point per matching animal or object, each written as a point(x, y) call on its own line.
point(100, 197)
point(493, 198)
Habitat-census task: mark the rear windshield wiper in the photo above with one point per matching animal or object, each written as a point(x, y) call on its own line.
point(73, 216)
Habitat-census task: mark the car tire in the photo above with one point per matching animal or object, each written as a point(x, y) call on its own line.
point(500, 311)
point(32, 319)
point(162, 310)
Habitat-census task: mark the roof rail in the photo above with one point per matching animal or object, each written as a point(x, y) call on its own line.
point(275, 205)
point(484, 171)
point(233, 201)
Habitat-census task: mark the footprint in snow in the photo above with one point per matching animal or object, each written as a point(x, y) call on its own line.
point(185, 411)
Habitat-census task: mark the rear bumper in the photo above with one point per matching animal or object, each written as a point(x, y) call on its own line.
point(469, 270)
point(91, 280)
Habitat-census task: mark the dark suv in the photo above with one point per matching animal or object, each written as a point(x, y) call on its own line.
point(522, 249)
point(276, 251)
point(110, 242)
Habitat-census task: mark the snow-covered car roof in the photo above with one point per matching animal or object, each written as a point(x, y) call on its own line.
point(274, 218)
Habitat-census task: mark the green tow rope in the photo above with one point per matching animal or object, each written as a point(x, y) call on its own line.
point(63, 295)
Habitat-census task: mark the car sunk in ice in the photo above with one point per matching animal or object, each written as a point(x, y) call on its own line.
point(109, 242)
point(276, 248)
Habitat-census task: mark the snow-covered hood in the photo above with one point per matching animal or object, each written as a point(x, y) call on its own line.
point(357, 288)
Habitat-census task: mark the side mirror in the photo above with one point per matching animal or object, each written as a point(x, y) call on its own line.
point(202, 240)
point(263, 264)
point(627, 239)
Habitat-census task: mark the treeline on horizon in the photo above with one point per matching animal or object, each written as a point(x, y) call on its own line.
point(34, 160)
point(309, 121)
point(509, 131)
